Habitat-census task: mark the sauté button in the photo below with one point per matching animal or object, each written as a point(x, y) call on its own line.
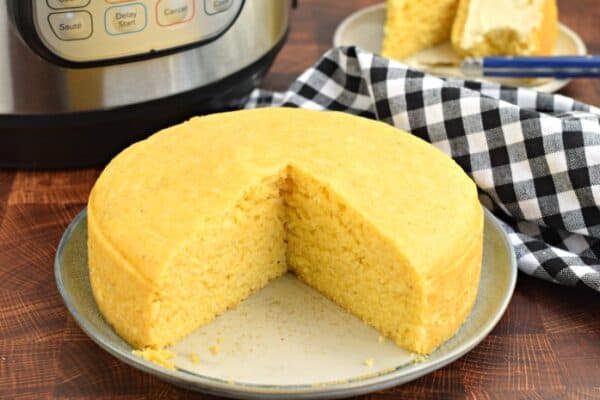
point(125, 19)
point(71, 25)
point(217, 6)
point(171, 12)
point(59, 4)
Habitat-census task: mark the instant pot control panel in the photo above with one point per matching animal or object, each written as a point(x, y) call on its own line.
point(84, 33)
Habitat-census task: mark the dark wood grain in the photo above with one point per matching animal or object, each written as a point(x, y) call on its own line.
point(547, 345)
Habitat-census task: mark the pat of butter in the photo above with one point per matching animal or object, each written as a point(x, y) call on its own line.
point(484, 16)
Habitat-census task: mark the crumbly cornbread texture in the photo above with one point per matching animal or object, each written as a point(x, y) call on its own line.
point(191, 221)
point(414, 25)
point(505, 27)
point(157, 356)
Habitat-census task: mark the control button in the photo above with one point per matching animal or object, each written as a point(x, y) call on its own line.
point(217, 6)
point(119, 20)
point(171, 12)
point(59, 4)
point(71, 25)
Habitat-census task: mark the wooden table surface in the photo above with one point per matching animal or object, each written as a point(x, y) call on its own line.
point(547, 345)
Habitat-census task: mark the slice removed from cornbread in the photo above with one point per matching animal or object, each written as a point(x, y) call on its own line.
point(189, 222)
point(412, 26)
point(505, 27)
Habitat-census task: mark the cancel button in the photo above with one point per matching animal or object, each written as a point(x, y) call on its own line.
point(171, 12)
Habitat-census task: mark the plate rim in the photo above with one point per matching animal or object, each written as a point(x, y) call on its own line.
point(220, 387)
point(551, 86)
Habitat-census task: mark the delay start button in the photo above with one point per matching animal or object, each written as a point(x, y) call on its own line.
point(71, 25)
point(131, 18)
point(171, 12)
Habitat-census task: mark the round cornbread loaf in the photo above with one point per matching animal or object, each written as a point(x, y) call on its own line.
point(191, 221)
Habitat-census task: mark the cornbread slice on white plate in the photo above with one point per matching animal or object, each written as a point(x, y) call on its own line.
point(365, 28)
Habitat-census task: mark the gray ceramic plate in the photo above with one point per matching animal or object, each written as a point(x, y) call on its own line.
point(287, 341)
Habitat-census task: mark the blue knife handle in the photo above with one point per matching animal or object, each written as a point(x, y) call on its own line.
point(555, 67)
point(555, 62)
point(541, 74)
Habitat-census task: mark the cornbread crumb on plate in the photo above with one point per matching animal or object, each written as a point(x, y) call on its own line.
point(195, 358)
point(419, 358)
point(157, 356)
point(214, 349)
point(369, 362)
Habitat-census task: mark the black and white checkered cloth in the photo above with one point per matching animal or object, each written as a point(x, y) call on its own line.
point(535, 157)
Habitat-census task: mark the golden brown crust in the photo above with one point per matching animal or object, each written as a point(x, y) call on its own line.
point(548, 31)
point(412, 26)
point(459, 25)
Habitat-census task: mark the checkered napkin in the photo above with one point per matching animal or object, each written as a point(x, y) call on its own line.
point(535, 157)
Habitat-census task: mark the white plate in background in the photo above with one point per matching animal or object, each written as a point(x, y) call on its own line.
point(364, 28)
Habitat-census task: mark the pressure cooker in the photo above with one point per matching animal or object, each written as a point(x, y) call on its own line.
point(82, 79)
